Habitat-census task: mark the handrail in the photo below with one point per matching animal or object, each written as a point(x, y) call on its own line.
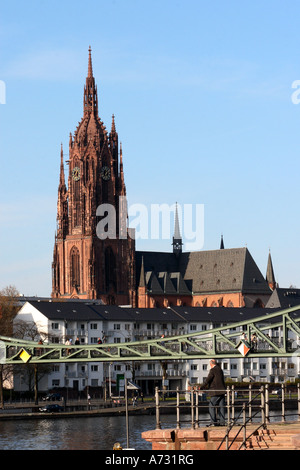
point(243, 426)
point(232, 420)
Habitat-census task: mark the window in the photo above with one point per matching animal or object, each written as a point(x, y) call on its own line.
point(94, 368)
point(117, 326)
point(54, 326)
point(75, 267)
point(94, 326)
point(194, 367)
point(117, 340)
point(193, 327)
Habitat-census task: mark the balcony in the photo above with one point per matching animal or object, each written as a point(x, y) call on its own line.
point(159, 373)
point(144, 333)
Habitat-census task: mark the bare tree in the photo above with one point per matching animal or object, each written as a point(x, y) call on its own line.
point(8, 310)
point(31, 373)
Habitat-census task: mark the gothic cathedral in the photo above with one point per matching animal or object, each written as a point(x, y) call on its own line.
point(94, 254)
point(88, 263)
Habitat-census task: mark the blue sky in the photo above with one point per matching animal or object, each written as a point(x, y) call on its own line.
point(201, 93)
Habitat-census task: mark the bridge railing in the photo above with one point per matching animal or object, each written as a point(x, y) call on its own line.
point(243, 405)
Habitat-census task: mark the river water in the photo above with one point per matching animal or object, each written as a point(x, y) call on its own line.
point(94, 433)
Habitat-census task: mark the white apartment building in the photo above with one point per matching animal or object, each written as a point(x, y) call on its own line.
point(57, 322)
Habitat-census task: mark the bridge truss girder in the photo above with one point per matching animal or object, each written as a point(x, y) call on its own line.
point(220, 342)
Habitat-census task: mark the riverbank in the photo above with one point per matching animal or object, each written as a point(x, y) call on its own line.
point(81, 409)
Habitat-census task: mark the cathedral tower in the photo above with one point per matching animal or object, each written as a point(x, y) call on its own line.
point(94, 256)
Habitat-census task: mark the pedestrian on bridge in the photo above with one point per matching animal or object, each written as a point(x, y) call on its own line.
point(216, 385)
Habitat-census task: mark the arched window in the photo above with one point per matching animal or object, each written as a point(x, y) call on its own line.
point(75, 267)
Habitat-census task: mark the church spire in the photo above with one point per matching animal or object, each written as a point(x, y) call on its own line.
point(90, 97)
point(270, 277)
point(90, 67)
point(177, 240)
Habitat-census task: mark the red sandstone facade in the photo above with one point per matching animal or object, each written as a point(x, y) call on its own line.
point(88, 264)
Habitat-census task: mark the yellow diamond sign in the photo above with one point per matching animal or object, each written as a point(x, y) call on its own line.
point(24, 355)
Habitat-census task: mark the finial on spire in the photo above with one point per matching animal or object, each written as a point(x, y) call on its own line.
point(113, 125)
point(90, 67)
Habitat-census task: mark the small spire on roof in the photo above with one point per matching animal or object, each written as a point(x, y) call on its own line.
point(270, 277)
point(222, 243)
point(177, 240)
point(142, 282)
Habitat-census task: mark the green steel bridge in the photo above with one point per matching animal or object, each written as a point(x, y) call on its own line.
point(222, 342)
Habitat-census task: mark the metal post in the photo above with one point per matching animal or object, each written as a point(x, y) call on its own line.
point(158, 426)
point(232, 402)
point(298, 390)
point(228, 405)
point(263, 411)
point(244, 425)
point(192, 409)
point(282, 404)
point(126, 412)
point(250, 403)
point(177, 408)
point(267, 404)
point(197, 410)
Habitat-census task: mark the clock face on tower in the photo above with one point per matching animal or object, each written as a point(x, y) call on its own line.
point(76, 173)
point(105, 173)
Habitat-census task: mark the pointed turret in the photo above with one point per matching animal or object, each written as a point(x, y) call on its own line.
point(62, 171)
point(270, 277)
point(142, 282)
point(177, 240)
point(90, 67)
point(62, 200)
point(122, 180)
point(90, 98)
point(222, 243)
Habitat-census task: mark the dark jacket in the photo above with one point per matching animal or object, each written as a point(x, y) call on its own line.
point(215, 382)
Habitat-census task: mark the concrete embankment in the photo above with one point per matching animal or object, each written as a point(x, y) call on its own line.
point(81, 409)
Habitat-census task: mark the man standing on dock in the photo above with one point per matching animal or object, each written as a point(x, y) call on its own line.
point(216, 385)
